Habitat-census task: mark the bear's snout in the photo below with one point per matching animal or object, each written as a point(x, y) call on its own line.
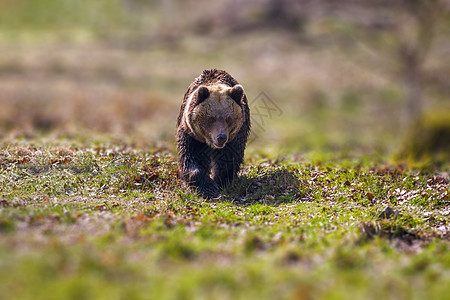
point(221, 139)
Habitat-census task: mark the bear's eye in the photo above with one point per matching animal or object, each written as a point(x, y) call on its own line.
point(211, 120)
point(228, 120)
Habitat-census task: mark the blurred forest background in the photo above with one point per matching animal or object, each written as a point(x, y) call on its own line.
point(348, 76)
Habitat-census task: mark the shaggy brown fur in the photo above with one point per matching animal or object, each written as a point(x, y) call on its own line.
point(212, 131)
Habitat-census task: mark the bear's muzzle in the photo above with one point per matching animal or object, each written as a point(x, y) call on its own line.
point(221, 140)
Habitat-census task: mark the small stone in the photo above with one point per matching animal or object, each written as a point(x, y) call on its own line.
point(388, 213)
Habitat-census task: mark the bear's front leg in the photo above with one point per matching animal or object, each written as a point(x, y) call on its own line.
point(197, 175)
point(194, 163)
point(200, 180)
point(223, 175)
point(226, 163)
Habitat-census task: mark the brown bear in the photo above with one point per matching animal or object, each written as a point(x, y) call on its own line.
point(212, 131)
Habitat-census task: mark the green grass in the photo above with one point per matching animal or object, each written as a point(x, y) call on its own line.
point(115, 222)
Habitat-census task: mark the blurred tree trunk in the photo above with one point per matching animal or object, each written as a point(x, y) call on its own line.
point(411, 63)
point(414, 93)
point(416, 39)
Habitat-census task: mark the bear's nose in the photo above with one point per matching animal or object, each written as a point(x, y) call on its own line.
point(221, 138)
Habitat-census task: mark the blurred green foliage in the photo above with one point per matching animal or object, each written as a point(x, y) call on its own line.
point(428, 141)
point(60, 14)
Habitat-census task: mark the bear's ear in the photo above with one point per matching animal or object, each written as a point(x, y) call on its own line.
point(236, 93)
point(202, 94)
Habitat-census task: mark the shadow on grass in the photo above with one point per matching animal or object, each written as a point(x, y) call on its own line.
point(388, 230)
point(402, 237)
point(274, 188)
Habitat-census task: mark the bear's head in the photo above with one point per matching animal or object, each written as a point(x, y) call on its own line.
point(214, 113)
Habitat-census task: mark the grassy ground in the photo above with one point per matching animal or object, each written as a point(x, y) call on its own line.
point(105, 221)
